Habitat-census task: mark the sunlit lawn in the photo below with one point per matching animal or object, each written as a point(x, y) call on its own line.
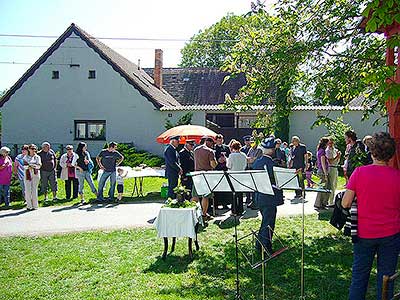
point(151, 191)
point(126, 264)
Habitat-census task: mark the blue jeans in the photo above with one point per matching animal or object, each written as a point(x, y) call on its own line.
point(22, 184)
point(5, 194)
point(81, 181)
point(102, 182)
point(387, 250)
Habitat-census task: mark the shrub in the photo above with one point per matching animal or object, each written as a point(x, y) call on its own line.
point(15, 190)
point(134, 157)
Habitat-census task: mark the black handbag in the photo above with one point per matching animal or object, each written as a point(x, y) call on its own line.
point(340, 214)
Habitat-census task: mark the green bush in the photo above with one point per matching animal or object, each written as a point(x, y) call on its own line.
point(15, 190)
point(134, 157)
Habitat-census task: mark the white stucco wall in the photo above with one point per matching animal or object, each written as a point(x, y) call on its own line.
point(301, 122)
point(44, 109)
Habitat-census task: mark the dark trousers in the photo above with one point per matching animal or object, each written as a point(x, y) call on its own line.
point(268, 213)
point(249, 198)
point(74, 182)
point(187, 182)
point(238, 204)
point(300, 175)
point(172, 183)
point(387, 250)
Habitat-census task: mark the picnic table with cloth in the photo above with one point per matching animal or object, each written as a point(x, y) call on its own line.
point(138, 174)
point(178, 222)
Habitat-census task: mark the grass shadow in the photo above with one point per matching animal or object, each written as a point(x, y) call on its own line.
point(14, 205)
point(227, 223)
point(325, 215)
point(172, 264)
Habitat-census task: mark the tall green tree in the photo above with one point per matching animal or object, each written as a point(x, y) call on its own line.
point(312, 51)
point(210, 47)
point(257, 45)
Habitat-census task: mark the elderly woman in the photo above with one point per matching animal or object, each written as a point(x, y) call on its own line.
point(377, 189)
point(32, 164)
point(5, 175)
point(68, 172)
point(323, 169)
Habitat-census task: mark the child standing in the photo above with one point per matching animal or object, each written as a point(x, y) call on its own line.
point(121, 174)
point(309, 170)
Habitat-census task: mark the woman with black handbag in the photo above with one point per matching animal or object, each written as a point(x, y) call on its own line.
point(377, 190)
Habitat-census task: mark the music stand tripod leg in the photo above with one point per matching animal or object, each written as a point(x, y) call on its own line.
point(302, 243)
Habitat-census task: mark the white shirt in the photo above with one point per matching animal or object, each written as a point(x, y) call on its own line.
point(120, 179)
point(237, 161)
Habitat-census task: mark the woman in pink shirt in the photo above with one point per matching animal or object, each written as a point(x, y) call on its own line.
point(377, 188)
point(5, 175)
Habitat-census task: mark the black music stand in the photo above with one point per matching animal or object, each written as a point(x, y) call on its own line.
point(288, 179)
point(207, 182)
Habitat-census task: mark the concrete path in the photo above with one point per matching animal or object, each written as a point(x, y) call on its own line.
point(52, 220)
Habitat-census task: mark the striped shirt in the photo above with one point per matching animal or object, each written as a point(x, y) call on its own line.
point(20, 168)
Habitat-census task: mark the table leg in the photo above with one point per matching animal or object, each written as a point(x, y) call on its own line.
point(165, 248)
point(190, 248)
point(140, 192)
point(196, 242)
point(173, 244)
point(135, 188)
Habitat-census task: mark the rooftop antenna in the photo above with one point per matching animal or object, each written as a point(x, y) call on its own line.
point(138, 64)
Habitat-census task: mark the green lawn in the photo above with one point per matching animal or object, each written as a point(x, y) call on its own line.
point(151, 191)
point(126, 264)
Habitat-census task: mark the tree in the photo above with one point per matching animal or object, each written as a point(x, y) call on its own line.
point(209, 48)
point(313, 51)
point(186, 119)
point(342, 61)
point(253, 40)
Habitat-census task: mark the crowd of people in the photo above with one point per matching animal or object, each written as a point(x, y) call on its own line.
point(35, 168)
point(372, 187)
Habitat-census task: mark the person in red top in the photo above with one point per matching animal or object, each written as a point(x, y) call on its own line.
point(377, 188)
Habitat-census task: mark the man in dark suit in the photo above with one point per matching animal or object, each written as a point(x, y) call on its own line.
point(222, 152)
point(186, 157)
point(267, 203)
point(172, 165)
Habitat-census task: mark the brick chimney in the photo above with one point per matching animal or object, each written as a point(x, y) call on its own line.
point(158, 65)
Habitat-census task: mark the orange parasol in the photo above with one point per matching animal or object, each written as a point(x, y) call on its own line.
point(186, 132)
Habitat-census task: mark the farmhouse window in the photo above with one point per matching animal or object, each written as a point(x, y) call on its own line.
point(92, 74)
point(90, 130)
point(55, 75)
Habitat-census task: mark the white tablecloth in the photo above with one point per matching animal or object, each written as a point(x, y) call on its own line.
point(177, 222)
point(146, 172)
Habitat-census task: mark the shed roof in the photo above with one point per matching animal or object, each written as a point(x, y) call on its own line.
point(199, 86)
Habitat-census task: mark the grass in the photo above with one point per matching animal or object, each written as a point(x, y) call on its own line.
point(151, 192)
point(126, 264)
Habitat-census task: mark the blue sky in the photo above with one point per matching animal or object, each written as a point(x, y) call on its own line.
point(135, 18)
